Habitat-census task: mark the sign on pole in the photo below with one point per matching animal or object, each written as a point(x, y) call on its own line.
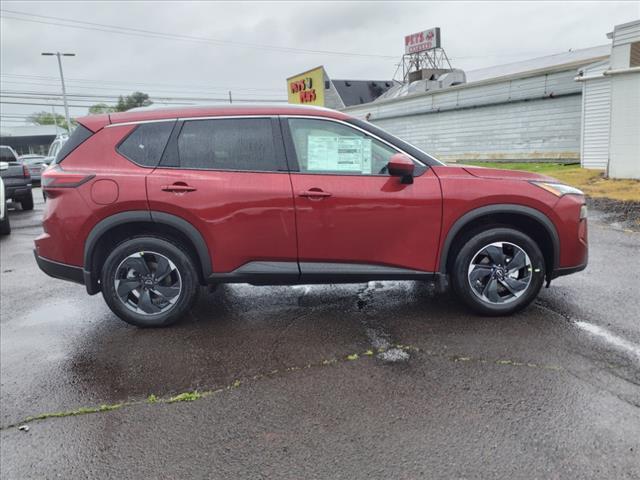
point(421, 41)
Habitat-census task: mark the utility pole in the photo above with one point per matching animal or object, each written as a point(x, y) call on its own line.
point(64, 90)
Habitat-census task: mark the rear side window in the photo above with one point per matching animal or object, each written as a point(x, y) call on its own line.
point(245, 144)
point(7, 155)
point(146, 143)
point(79, 135)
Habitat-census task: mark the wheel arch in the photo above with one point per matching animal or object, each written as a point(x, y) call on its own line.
point(526, 219)
point(117, 227)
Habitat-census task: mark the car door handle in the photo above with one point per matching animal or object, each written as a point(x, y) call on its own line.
point(314, 193)
point(178, 188)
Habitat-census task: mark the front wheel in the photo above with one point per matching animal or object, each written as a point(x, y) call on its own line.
point(149, 282)
point(498, 271)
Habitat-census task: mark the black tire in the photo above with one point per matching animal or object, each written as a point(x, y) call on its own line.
point(476, 299)
point(172, 251)
point(5, 225)
point(27, 202)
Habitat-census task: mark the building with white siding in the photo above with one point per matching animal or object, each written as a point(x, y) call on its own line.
point(611, 106)
point(524, 111)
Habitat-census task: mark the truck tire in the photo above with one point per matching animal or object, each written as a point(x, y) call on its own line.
point(27, 202)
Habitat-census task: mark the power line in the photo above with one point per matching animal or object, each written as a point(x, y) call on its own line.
point(114, 98)
point(172, 36)
point(128, 83)
point(119, 92)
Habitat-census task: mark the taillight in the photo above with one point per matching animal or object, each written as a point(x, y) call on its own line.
point(56, 177)
point(25, 171)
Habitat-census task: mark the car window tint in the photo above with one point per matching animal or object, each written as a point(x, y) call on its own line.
point(229, 144)
point(328, 147)
point(79, 135)
point(6, 155)
point(146, 143)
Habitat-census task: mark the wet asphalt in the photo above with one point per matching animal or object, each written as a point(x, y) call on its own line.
point(295, 384)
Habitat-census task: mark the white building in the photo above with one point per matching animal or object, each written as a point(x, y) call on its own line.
point(524, 111)
point(611, 106)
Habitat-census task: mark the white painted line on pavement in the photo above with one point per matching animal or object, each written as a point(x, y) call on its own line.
point(611, 338)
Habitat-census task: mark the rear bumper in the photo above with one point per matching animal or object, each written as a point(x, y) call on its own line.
point(14, 192)
point(60, 270)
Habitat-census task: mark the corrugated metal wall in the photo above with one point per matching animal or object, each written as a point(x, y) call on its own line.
point(533, 118)
point(596, 116)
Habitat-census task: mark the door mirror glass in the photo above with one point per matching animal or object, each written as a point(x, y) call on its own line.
point(401, 166)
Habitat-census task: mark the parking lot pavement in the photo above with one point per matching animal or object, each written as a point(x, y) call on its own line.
point(385, 379)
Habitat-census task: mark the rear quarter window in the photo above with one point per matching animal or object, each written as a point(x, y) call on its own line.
point(145, 145)
point(79, 135)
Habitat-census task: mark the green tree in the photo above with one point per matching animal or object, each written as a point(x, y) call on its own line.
point(48, 118)
point(99, 108)
point(136, 99)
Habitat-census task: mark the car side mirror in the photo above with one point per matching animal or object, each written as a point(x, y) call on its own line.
point(401, 166)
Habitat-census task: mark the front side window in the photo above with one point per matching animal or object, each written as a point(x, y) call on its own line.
point(328, 147)
point(243, 144)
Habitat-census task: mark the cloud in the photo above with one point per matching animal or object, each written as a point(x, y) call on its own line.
point(475, 35)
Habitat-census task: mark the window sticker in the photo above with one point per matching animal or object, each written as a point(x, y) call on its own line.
point(339, 154)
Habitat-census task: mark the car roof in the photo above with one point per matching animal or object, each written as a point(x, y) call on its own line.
point(95, 122)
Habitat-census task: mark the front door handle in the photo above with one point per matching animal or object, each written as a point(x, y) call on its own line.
point(314, 193)
point(178, 187)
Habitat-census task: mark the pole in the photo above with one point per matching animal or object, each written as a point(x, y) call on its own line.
point(230, 100)
point(64, 95)
point(55, 122)
point(64, 90)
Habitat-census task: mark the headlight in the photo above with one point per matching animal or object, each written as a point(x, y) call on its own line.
point(558, 189)
point(583, 212)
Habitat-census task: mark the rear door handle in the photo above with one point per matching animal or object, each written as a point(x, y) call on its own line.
point(314, 193)
point(178, 188)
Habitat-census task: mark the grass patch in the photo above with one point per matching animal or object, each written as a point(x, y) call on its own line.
point(591, 182)
point(77, 411)
point(186, 397)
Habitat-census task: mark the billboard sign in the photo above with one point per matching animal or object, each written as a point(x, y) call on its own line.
point(421, 41)
point(307, 88)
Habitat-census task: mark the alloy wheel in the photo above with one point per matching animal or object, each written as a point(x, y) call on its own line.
point(148, 283)
point(500, 273)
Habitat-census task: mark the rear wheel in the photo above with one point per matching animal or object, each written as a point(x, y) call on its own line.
point(27, 202)
point(498, 271)
point(149, 282)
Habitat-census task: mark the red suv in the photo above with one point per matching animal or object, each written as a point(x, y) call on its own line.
point(147, 206)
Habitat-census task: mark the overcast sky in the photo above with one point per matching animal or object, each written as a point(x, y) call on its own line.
point(474, 35)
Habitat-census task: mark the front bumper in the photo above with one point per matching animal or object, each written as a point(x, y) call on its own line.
point(60, 270)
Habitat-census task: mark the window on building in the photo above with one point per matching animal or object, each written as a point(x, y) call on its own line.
point(634, 61)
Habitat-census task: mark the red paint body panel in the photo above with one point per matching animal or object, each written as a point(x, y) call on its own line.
point(243, 216)
point(71, 213)
point(369, 219)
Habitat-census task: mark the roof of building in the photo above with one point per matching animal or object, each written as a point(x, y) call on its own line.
point(356, 92)
point(558, 60)
point(30, 131)
point(95, 122)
